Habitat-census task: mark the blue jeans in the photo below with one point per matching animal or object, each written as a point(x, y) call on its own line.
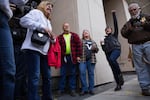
point(7, 62)
point(142, 68)
point(21, 73)
point(68, 69)
point(112, 59)
point(37, 63)
point(83, 66)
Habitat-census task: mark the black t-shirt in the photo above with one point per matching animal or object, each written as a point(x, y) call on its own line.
point(88, 51)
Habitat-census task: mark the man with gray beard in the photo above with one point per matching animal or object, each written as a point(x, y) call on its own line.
point(137, 31)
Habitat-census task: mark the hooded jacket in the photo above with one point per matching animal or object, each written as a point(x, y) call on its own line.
point(54, 55)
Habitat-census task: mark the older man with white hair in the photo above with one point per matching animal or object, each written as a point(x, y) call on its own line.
point(137, 31)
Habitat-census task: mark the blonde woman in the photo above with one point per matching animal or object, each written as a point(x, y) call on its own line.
point(87, 62)
point(36, 55)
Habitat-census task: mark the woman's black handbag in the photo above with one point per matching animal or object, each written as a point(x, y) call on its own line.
point(39, 38)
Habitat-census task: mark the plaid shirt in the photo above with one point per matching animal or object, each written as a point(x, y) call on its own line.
point(76, 46)
point(83, 57)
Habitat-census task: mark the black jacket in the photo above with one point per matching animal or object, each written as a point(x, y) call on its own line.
point(111, 41)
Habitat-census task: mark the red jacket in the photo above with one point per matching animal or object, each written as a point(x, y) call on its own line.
point(54, 55)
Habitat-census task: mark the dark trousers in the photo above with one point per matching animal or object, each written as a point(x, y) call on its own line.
point(112, 59)
point(36, 64)
point(21, 73)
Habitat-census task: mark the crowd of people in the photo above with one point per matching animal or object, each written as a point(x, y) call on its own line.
point(24, 59)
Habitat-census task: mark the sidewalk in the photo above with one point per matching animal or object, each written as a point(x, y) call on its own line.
point(130, 91)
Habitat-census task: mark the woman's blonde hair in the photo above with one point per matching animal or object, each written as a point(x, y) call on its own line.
point(42, 6)
point(85, 30)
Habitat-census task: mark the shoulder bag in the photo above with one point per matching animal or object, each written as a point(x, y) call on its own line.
point(39, 38)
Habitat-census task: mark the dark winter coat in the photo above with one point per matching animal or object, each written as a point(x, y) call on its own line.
point(139, 33)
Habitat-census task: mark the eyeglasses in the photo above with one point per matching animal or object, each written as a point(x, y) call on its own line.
point(131, 10)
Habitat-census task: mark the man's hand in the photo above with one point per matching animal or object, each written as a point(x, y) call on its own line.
point(78, 59)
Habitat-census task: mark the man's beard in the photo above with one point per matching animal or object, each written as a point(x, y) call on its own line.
point(137, 15)
point(66, 31)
